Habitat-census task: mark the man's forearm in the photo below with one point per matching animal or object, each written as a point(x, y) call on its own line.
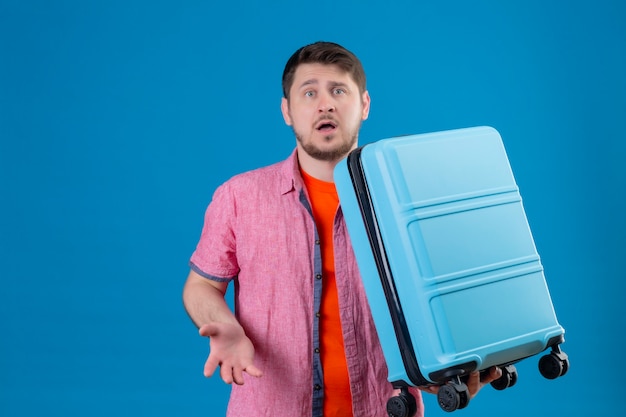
point(204, 301)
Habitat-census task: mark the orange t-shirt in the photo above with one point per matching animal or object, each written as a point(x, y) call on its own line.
point(337, 396)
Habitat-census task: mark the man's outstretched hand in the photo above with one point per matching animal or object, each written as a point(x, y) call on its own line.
point(231, 350)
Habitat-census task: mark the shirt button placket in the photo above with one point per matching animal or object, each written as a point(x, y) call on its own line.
point(318, 388)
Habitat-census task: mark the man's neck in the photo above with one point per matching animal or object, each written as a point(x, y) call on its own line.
point(321, 170)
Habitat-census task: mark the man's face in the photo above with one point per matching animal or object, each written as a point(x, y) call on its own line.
point(325, 110)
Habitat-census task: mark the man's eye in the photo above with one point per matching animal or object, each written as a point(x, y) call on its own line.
point(338, 91)
point(309, 93)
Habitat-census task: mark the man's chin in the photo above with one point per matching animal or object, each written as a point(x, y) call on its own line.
point(328, 154)
point(329, 148)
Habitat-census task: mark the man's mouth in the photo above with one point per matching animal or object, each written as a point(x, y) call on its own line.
point(325, 126)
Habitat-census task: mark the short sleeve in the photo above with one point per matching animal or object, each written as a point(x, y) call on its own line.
point(215, 255)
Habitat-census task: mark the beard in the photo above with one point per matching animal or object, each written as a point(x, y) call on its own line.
point(334, 153)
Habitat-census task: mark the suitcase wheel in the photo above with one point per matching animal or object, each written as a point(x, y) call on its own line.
point(554, 364)
point(508, 378)
point(453, 396)
point(402, 405)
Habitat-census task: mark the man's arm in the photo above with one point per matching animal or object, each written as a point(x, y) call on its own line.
point(204, 300)
point(230, 348)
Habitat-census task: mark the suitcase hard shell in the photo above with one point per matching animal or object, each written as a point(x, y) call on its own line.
point(448, 262)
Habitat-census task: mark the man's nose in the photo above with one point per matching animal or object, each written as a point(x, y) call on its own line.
point(326, 104)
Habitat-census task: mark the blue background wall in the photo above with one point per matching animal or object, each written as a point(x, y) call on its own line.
point(118, 119)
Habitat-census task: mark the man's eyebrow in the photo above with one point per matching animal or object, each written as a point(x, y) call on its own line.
point(314, 81)
point(338, 84)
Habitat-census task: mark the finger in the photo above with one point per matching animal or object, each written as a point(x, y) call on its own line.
point(210, 366)
point(431, 389)
point(473, 383)
point(226, 372)
point(254, 371)
point(208, 330)
point(473, 378)
point(238, 376)
point(494, 373)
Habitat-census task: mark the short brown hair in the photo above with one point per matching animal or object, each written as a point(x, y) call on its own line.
point(327, 53)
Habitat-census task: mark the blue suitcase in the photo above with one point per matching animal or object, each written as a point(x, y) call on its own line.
point(448, 262)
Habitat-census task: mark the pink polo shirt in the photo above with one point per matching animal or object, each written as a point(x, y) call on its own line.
point(259, 233)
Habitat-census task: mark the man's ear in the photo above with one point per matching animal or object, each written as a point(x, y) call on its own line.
point(284, 108)
point(365, 99)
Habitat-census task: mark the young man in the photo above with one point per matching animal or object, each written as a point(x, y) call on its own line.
point(302, 341)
